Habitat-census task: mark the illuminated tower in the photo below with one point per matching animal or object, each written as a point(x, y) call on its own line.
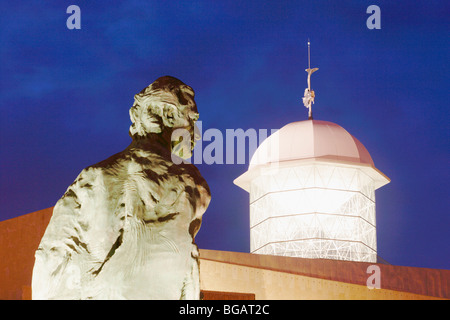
point(312, 193)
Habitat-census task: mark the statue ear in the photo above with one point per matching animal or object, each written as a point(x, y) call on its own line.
point(169, 114)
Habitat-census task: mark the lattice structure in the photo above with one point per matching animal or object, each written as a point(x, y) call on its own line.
point(317, 210)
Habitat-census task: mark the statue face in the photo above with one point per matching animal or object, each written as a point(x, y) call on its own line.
point(185, 131)
point(187, 113)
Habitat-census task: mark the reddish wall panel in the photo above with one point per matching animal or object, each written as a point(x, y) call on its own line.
point(19, 239)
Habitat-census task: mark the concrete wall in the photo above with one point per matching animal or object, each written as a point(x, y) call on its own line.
point(419, 281)
point(269, 284)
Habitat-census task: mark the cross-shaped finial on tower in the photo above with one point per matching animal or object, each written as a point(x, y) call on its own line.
point(309, 95)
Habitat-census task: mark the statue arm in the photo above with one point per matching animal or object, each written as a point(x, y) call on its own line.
point(71, 245)
point(54, 272)
point(191, 285)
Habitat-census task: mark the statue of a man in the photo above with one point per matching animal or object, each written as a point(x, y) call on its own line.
point(125, 228)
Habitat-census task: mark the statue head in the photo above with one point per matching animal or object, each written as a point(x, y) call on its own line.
point(163, 107)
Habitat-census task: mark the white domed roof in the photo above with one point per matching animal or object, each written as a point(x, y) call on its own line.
point(311, 139)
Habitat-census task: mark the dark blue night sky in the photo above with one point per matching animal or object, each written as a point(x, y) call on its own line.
point(65, 96)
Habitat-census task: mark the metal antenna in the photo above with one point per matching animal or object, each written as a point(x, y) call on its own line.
point(309, 95)
point(309, 54)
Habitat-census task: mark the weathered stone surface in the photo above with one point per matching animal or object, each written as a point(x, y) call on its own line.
point(125, 228)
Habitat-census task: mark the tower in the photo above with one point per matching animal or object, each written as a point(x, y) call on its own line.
point(312, 193)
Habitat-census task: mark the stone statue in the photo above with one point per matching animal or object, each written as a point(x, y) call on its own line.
point(309, 95)
point(125, 228)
